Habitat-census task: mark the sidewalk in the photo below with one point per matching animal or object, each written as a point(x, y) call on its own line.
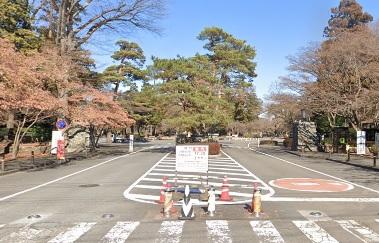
point(50, 161)
point(355, 160)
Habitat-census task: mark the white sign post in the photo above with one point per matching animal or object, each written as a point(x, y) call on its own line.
point(377, 138)
point(361, 142)
point(57, 135)
point(192, 158)
point(131, 141)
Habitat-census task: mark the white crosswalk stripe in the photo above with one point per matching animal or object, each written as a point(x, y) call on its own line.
point(170, 232)
point(1, 226)
point(218, 231)
point(314, 232)
point(25, 234)
point(266, 231)
point(363, 233)
point(120, 232)
point(72, 234)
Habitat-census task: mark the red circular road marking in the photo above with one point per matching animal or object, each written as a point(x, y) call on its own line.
point(311, 185)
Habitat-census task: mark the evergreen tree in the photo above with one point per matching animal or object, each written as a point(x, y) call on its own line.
point(15, 24)
point(348, 16)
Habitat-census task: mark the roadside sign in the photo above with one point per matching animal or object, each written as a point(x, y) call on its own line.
point(377, 138)
point(192, 158)
point(361, 142)
point(60, 149)
point(61, 124)
point(131, 143)
point(57, 135)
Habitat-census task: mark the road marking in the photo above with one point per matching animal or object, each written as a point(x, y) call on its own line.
point(218, 184)
point(73, 233)
point(310, 185)
point(224, 166)
point(209, 172)
point(308, 215)
point(227, 169)
point(170, 232)
point(314, 232)
point(120, 232)
point(25, 234)
point(218, 231)
point(67, 176)
point(377, 220)
point(127, 191)
point(204, 177)
point(320, 199)
point(316, 171)
point(2, 225)
point(266, 231)
point(271, 190)
point(361, 232)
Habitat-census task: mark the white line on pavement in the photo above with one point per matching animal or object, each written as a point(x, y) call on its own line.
point(361, 232)
point(170, 232)
point(218, 231)
point(120, 232)
point(316, 171)
point(377, 220)
point(25, 234)
point(204, 177)
point(218, 184)
point(266, 231)
point(321, 199)
point(314, 232)
point(127, 191)
point(272, 191)
point(2, 225)
point(228, 169)
point(209, 172)
point(67, 176)
point(73, 233)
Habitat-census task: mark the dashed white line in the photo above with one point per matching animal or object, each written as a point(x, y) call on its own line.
point(314, 232)
point(73, 233)
point(120, 232)
point(218, 231)
point(170, 232)
point(361, 232)
point(266, 231)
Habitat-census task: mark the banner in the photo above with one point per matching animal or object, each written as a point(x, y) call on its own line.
point(57, 135)
point(192, 158)
point(60, 149)
point(361, 142)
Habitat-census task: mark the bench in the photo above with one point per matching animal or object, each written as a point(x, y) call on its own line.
point(373, 157)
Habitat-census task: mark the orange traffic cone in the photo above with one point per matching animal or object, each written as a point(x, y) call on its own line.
point(225, 190)
point(162, 194)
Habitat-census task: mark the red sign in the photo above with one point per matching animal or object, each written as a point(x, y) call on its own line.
point(60, 149)
point(311, 185)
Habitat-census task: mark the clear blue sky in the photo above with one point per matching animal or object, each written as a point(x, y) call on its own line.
point(276, 28)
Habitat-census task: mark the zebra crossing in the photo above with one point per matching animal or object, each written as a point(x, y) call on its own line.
point(241, 181)
point(172, 231)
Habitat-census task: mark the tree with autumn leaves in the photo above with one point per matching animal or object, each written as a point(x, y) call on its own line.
point(336, 81)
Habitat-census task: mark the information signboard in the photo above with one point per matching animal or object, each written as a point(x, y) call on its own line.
point(377, 138)
point(361, 142)
point(192, 158)
point(57, 135)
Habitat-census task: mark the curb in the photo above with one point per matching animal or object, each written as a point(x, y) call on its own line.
point(337, 161)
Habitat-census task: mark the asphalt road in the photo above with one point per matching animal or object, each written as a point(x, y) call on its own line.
point(113, 200)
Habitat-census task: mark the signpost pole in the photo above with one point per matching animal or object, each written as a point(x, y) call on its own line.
point(131, 141)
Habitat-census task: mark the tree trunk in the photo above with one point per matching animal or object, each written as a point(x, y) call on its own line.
point(10, 125)
point(109, 136)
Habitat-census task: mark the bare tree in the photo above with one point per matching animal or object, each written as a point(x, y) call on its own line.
point(72, 23)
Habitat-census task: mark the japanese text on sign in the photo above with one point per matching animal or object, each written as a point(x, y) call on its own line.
point(192, 158)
